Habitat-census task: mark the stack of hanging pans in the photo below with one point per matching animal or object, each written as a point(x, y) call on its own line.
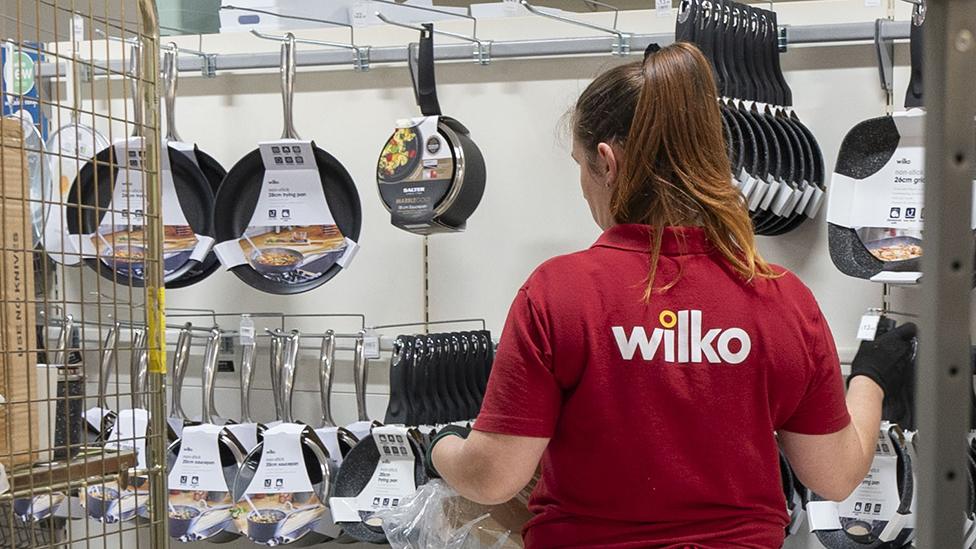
point(776, 160)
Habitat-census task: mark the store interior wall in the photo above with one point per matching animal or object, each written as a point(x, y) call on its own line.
point(532, 209)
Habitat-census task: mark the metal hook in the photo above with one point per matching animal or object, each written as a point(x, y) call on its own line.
point(616, 10)
point(483, 52)
point(361, 53)
point(209, 66)
point(621, 47)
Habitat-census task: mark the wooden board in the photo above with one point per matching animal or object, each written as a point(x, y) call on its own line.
point(18, 415)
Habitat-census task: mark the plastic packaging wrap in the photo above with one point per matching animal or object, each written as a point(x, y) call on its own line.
point(436, 517)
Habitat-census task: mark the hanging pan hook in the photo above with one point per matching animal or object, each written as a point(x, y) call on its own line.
point(620, 47)
point(482, 53)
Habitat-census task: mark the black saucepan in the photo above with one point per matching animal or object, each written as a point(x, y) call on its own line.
point(452, 206)
point(238, 197)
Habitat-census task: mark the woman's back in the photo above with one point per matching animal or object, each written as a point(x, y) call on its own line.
point(661, 413)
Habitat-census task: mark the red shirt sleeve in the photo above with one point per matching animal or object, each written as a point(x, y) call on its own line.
point(523, 397)
point(823, 408)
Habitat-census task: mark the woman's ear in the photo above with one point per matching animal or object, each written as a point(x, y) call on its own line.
point(607, 167)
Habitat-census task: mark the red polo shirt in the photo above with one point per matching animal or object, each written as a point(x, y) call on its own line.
point(661, 414)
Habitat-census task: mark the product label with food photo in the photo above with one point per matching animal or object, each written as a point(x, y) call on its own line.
point(292, 236)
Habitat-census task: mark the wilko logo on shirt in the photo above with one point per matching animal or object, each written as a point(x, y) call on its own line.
point(681, 336)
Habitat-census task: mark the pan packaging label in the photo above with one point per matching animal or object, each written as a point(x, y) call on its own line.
point(391, 483)
point(129, 433)
point(414, 173)
point(280, 505)
point(200, 505)
point(893, 196)
point(180, 243)
point(876, 499)
point(292, 236)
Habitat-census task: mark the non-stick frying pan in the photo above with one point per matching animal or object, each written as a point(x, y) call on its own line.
point(318, 465)
point(239, 192)
point(212, 171)
point(855, 534)
point(90, 200)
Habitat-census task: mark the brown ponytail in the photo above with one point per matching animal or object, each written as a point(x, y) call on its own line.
point(675, 169)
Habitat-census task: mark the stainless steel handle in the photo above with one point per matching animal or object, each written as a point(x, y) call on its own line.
point(60, 357)
point(180, 360)
point(288, 374)
point(170, 82)
point(288, 86)
point(210, 375)
point(105, 369)
point(359, 372)
point(277, 345)
point(326, 366)
point(135, 75)
point(138, 346)
point(248, 351)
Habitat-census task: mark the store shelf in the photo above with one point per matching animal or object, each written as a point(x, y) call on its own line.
point(508, 49)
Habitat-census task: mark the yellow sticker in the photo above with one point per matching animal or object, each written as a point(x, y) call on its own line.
point(157, 332)
point(668, 319)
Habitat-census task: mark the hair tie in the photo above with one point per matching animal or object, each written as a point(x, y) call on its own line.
point(653, 47)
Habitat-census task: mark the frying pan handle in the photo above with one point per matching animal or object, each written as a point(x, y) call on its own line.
point(275, 364)
point(359, 372)
point(180, 360)
point(170, 82)
point(210, 374)
point(105, 369)
point(248, 351)
point(422, 73)
point(288, 85)
point(913, 97)
point(64, 336)
point(135, 382)
point(135, 72)
point(326, 364)
point(288, 373)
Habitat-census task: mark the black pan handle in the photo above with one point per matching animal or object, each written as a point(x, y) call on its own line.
point(913, 97)
point(397, 411)
point(422, 73)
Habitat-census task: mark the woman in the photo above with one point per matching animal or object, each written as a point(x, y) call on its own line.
point(650, 372)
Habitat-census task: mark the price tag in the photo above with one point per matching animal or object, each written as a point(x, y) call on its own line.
point(359, 13)
point(662, 8)
point(868, 327)
point(872, 3)
point(371, 345)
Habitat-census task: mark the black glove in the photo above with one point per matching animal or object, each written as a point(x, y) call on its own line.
point(888, 360)
point(449, 431)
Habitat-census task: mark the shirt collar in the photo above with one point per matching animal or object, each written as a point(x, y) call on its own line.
point(637, 238)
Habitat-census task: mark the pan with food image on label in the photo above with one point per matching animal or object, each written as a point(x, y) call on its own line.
point(282, 488)
point(288, 215)
point(202, 466)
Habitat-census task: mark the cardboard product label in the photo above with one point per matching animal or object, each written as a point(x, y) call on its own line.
point(875, 501)
point(280, 505)
point(292, 236)
point(246, 434)
point(129, 433)
point(329, 438)
point(392, 481)
point(95, 415)
point(120, 240)
point(200, 505)
point(415, 172)
point(112, 502)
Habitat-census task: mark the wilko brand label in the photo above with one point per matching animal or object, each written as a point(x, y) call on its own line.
point(684, 340)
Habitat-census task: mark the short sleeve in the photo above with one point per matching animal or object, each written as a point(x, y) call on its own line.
point(822, 409)
point(523, 397)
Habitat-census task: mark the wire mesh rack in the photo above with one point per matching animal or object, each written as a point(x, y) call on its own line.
point(82, 427)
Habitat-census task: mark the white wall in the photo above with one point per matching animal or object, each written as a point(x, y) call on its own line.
point(532, 208)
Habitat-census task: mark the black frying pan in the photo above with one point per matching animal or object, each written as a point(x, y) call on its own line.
point(239, 192)
point(209, 167)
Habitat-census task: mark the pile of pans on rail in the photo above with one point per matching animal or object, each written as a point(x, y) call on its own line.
point(776, 160)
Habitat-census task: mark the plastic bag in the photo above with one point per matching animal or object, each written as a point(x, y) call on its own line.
point(436, 517)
